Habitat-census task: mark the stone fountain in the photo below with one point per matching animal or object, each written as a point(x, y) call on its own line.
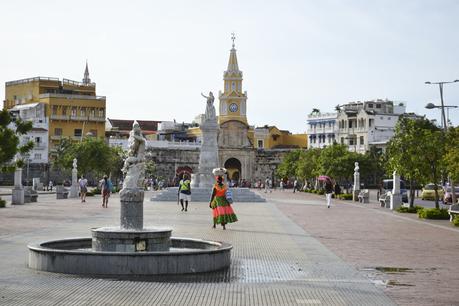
point(130, 249)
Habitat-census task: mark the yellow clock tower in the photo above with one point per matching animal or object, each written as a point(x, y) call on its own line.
point(233, 102)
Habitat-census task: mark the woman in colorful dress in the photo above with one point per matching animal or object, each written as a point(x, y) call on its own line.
point(221, 209)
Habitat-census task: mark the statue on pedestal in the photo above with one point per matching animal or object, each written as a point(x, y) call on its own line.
point(134, 165)
point(210, 109)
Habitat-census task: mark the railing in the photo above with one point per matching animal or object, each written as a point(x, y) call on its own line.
point(76, 83)
point(70, 96)
point(28, 80)
point(97, 119)
point(79, 118)
point(156, 143)
point(59, 117)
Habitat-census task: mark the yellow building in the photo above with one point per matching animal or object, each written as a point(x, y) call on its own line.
point(73, 108)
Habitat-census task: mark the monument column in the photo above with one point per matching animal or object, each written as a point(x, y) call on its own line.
point(18, 190)
point(74, 186)
point(356, 188)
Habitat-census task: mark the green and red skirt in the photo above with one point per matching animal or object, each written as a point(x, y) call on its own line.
point(222, 211)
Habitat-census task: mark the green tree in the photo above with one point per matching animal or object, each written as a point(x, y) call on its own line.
point(287, 168)
point(337, 162)
point(451, 157)
point(307, 165)
point(94, 157)
point(407, 150)
point(10, 131)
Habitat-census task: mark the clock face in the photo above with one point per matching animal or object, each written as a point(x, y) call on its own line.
point(233, 107)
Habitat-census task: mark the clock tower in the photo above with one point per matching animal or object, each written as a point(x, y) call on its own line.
point(232, 100)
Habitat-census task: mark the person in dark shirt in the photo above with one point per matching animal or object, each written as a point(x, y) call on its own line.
point(328, 192)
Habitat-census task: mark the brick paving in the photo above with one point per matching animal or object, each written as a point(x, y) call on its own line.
point(368, 237)
point(274, 261)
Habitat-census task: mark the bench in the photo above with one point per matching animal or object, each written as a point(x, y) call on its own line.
point(453, 210)
point(364, 196)
point(61, 192)
point(30, 195)
point(384, 199)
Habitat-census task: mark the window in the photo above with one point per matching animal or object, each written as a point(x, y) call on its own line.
point(64, 110)
point(54, 109)
point(233, 85)
point(58, 131)
point(77, 132)
point(342, 140)
point(378, 105)
point(361, 140)
point(350, 124)
point(370, 105)
point(74, 111)
point(101, 112)
point(37, 140)
point(260, 143)
point(82, 112)
point(351, 142)
point(37, 156)
point(370, 122)
point(92, 112)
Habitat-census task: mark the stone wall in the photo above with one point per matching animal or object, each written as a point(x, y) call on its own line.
point(256, 164)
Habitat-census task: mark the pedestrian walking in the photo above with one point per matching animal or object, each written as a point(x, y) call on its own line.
point(295, 185)
point(266, 184)
point(328, 192)
point(83, 183)
point(50, 185)
point(281, 185)
point(184, 191)
point(222, 212)
point(106, 187)
point(270, 185)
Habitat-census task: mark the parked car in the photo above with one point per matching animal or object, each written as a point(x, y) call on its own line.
point(388, 184)
point(447, 197)
point(428, 192)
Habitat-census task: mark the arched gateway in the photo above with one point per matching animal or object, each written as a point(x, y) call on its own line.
point(233, 166)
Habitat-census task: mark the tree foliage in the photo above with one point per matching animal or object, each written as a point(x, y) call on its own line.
point(288, 166)
point(451, 157)
point(415, 152)
point(94, 156)
point(10, 131)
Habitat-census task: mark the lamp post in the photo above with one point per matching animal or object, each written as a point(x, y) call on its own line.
point(444, 123)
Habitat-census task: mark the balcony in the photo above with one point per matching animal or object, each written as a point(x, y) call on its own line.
point(96, 119)
point(59, 117)
point(72, 97)
point(79, 118)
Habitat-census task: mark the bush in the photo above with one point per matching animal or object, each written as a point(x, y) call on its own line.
point(434, 213)
point(97, 191)
point(320, 192)
point(456, 220)
point(2, 203)
point(89, 194)
point(410, 210)
point(345, 196)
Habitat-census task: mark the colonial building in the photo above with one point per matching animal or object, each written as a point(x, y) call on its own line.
point(321, 129)
point(362, 125)
point(58, 109)
point(72, 108)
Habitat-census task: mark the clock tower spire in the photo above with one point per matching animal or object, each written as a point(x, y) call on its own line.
point(232, 99)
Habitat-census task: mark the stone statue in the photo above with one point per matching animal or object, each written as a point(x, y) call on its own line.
point(210, 109)
point(134, 164)
point(74, 163)
point(356, 169)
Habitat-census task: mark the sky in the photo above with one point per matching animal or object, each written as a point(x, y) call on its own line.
point(152, 59)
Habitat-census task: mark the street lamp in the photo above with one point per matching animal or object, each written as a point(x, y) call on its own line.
point(430, 105)
point(445, 126)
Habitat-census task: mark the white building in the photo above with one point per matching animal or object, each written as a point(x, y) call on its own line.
point(36, 113)
point(321, 129)
point(362, 125)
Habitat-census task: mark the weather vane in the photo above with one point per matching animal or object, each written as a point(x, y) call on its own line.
point(233, 37)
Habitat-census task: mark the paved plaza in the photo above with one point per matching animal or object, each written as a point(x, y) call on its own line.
point(291, 250)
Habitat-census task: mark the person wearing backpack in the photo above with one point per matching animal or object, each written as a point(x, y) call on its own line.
point(106, 188)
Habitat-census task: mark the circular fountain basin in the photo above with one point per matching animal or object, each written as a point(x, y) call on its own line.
point(75, 256)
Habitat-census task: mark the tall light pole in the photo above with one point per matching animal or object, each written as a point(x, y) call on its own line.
point(445, 125)
point(440, 85)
